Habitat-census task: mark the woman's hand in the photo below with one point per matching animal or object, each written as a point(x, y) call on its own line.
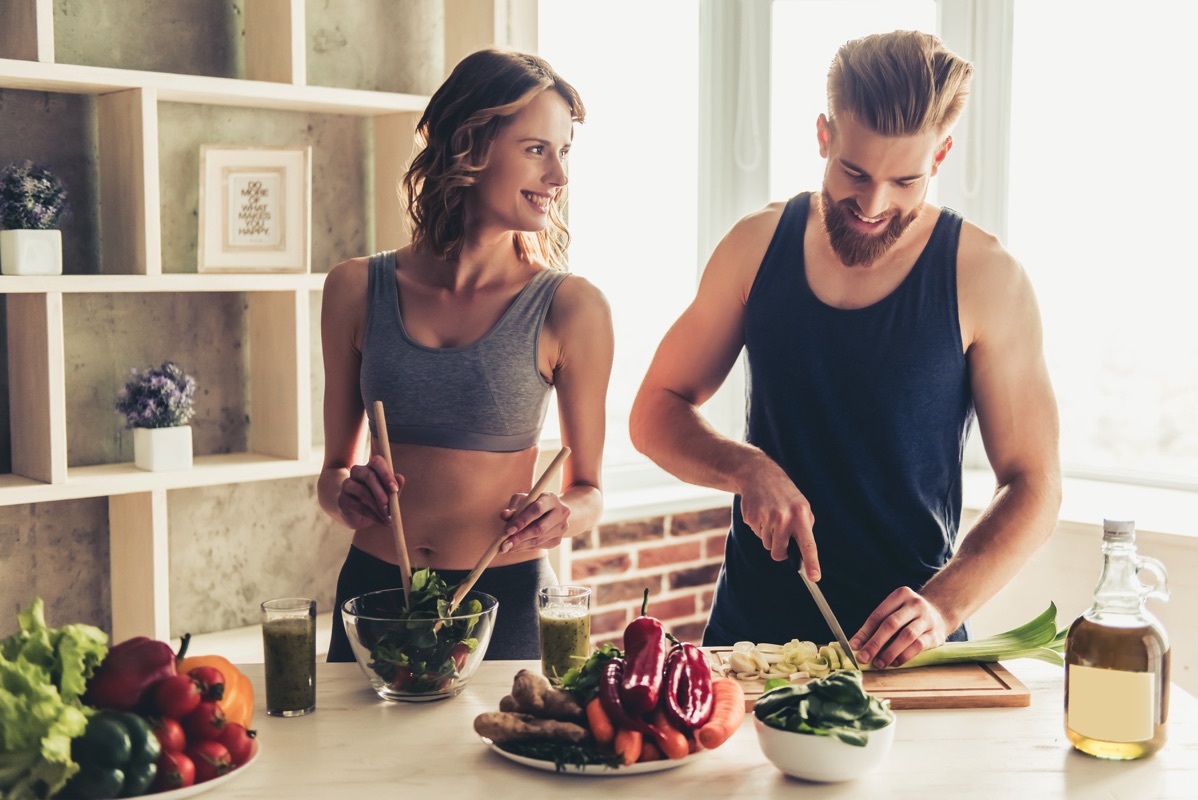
point(540, 526)
point(363, 499)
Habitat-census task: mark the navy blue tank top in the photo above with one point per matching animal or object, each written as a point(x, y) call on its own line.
point(867, 410)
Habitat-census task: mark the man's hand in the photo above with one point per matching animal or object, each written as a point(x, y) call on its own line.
point(904, 625)
point(778, 512)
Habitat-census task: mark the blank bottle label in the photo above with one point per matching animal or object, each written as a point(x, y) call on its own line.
point(1111, 705)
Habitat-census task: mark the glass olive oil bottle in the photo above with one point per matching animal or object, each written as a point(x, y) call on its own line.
point(1117, 657)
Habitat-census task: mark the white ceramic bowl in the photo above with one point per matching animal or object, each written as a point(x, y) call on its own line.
point(823, 758)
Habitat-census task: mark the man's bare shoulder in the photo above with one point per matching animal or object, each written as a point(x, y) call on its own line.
point(992, 287)
point(759, 226)
point(741, 250)
point(983, 264)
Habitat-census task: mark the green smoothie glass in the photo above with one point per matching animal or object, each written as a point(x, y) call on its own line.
point(565, 613)
point(289, 647)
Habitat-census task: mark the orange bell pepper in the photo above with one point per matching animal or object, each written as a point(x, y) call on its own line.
point(238, 699)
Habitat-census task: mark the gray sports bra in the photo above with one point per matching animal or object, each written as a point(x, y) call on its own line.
point(488, 395)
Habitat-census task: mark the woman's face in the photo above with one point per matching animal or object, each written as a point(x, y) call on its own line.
point(526, 168)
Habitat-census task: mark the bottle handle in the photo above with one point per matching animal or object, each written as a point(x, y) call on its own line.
point(1159, 588)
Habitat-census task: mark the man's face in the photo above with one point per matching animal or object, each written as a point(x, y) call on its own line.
point(874, 186)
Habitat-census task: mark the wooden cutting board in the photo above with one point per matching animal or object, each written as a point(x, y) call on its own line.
point(948, 686)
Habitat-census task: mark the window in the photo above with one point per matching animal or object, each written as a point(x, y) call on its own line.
point(1101, 194)
point(804, 36)
point(633, 212)
point(1087, 127)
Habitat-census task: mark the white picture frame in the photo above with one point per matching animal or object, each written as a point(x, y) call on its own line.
point(255, 209)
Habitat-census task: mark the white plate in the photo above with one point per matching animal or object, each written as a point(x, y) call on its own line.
point(597, 769)
point(198, 788)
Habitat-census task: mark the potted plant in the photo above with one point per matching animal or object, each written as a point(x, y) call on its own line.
point(157, 405)
point(32, 204)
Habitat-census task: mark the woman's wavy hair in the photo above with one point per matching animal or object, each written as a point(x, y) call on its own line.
point(899, 84)
point(454, 139)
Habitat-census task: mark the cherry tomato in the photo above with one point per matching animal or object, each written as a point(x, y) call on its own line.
point(211, 760)
point(238, 741)
point(175, 771)
point(170, 735)
point(205, 724)
point(176, 696)
point(458, 653)
point(403, 678)
point(211, 681)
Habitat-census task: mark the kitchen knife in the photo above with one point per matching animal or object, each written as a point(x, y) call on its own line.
point(829, 617)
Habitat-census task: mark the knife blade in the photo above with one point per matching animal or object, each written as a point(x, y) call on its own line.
point(829, 617)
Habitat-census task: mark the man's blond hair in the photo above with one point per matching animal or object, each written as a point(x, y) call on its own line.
point(899, 84)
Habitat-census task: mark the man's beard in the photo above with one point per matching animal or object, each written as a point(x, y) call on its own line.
point(856, 249)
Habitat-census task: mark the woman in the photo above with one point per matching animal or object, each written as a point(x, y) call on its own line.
point(463, 334)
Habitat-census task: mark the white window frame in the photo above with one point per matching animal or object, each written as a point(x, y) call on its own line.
point(734, 152)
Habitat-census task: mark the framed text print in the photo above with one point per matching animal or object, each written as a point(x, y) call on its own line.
point(254, 209)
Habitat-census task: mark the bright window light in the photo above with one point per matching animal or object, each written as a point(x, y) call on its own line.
point(1101, 192)
point(633, 172)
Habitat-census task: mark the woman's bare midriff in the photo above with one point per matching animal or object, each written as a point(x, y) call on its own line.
point(450, 505)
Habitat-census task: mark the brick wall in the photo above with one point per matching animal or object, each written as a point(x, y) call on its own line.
point(676, 557)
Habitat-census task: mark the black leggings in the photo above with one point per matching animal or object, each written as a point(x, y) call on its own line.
point(516, 633)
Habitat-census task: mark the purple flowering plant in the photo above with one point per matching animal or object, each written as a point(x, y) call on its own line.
point(31, 198)
point(157, 398)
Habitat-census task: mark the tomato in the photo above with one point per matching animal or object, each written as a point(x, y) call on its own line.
point(211, 681)
point(458, 653)
point(239, 742)
point(177, 696)
point(403, 678)
point(170, 735)
point(238, 700)
point(205, 724)
point(211, 760)
point(175, 771)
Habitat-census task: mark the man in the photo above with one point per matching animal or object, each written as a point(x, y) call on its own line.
point(875, 326)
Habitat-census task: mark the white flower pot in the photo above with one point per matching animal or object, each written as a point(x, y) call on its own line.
point(28, 252)
point(162, 449)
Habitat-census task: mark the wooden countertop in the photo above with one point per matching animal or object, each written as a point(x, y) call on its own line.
point(357, 745)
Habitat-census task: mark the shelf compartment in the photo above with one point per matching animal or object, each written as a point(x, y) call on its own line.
point(204, 90)
point(27, 29)
point(177, 282)
point(105, 480)
point(37, 393)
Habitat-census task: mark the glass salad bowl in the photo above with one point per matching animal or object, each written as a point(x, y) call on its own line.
point(423, 654)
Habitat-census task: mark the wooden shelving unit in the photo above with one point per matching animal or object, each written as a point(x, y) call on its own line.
point(278, 306)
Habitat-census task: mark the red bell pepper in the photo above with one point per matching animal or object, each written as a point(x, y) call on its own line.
point(645, 657)
point(129, 672)
point(688, 696)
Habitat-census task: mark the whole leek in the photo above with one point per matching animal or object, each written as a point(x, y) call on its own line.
point(1037, 639)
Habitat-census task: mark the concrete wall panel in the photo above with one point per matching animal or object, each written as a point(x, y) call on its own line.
point(232, 547)
point(59, 552)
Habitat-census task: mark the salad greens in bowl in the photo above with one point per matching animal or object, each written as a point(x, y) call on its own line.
point(422, 652)
point(829, 729)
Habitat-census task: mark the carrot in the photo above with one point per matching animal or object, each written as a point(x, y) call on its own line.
point(628, 744)
point(727, 713)
point(649, 752)
point(600, 723)
point(672, 741)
